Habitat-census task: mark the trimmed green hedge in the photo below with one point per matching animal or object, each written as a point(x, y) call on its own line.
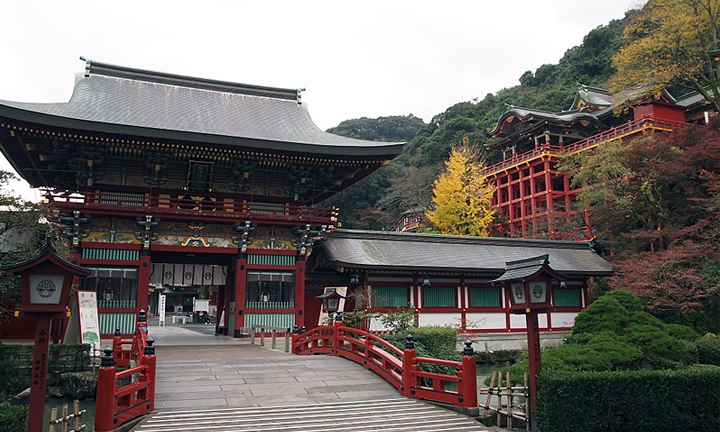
point(647, 401)
point(13, 418)
point(708, 350)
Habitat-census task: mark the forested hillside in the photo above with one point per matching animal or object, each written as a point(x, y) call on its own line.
point(378, 200)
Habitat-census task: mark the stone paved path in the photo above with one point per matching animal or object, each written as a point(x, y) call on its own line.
point(199, 374)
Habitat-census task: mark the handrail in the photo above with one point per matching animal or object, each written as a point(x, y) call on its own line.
point(400, 368)
point(129, 393)
point(179, 204)
point(614, 133)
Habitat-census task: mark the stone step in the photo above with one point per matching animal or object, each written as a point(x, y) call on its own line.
point(394, 414)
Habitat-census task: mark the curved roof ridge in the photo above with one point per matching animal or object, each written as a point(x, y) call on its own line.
point(106, 69)
point(458, 239)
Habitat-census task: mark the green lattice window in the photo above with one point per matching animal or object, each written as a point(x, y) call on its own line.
point(390, 296)
point(439, 297)
point(484, 297)
point(568, 297)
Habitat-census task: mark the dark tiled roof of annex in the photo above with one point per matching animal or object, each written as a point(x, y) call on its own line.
point(481, 255)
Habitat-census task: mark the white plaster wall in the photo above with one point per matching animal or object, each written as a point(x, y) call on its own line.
point(518, 321)
point(376, 324)
point(439, 319)
point(485, 321)
point(563, 319)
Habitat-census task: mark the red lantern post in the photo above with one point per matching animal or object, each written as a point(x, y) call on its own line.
point(528, 286)
point(44, 295)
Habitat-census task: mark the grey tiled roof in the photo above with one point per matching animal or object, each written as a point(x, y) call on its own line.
point(426, 252)
point(557, 117)
point(157, 105)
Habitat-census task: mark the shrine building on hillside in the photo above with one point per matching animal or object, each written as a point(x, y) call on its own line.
point(533, 198)
point(197, 188)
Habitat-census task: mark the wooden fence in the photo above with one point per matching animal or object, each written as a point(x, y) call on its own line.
point(508, 402)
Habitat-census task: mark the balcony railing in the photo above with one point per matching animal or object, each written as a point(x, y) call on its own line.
point(185, 206)
point(584, 144)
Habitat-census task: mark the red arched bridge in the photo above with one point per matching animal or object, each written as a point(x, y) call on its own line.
point(127, 378)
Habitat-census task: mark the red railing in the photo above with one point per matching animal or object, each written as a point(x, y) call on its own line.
point(183, 206)
point(123, 395)
point(614, 133)
point(401, 368)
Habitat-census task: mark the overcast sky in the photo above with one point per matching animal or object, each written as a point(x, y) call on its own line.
point(354, 59)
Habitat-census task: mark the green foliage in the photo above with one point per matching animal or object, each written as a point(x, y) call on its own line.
point(431, 342)
point(550, 87)
point(646, 401)
point(441, 341)
point(399, 320)
point(13, 418)
point(682, 332)
point(390, 129)
point(708, 350)
point(605, 313)
point(22, 237)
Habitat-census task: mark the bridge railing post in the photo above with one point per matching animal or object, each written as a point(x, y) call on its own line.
point(337, 334)
point(149, 360)
point(293, 340)
point(408, 376)
point(117, 345)
point(468, 382)
point(105, 401)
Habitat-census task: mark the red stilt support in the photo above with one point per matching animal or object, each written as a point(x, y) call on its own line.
point(408, 365)
point(105, 399)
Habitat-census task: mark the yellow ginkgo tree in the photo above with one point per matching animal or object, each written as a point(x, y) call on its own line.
point(461, 197)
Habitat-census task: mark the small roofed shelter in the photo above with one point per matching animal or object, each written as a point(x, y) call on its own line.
point(392, 267)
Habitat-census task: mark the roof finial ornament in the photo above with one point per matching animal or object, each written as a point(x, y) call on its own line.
point(88, 65)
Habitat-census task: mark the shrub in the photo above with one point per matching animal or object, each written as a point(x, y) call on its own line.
point(628, 300)
point(640, 400)
point(708, 351)
point(605, 313)
point(682, 332)
point(655, 343)
point(13, 418)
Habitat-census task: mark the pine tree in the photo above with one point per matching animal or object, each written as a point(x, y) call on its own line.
point(461, 196)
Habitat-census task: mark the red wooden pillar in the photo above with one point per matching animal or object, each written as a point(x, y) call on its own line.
point(533, 333)
point(105, 402)
point(41, 351)
point(408, 377)
point(220, 308)
point(149, 360)
point(467, 386)
point(143, 282)
point(548, 197)
point(240, 284)
point(300, 292)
